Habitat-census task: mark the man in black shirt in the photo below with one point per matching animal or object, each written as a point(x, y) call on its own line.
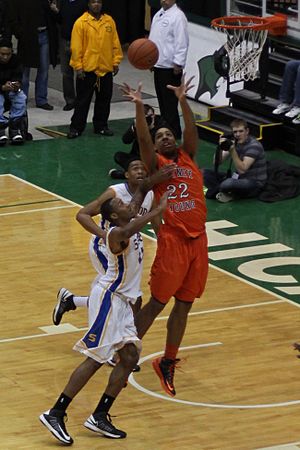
point(67, 13)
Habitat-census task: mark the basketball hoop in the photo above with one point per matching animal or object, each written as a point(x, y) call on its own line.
point(246, 36)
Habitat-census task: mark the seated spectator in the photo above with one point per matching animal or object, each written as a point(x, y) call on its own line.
point(289, 94)
point(130, 137)
point(248, 158)
point(11, 94)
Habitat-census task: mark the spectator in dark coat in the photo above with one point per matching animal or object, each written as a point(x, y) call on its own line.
point(67, 12)
point(4, 25)
point(33, 23)
point(130, 18)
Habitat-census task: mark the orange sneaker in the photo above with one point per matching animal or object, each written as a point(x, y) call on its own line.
point(165, 370)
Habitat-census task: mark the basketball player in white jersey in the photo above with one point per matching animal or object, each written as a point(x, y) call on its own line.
point(111, 321)
point(135, 174)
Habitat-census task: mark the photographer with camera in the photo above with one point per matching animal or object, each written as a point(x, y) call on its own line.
point(248, 158)
point(130, 137)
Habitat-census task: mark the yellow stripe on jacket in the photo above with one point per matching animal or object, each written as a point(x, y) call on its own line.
point(95, 44)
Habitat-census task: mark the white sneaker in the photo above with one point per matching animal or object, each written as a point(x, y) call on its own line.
point(224, 198)
point(293, 112)
point(282, 108)
point(296, 121)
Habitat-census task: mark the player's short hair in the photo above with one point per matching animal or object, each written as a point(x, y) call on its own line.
point(106, 210)
point(161, 124)
point(130, 160)
point(5, 42)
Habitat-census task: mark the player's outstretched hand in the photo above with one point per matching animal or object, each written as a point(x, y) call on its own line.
point(297, 347)
point(164, 173)
point(133, 95)
point(185, 86)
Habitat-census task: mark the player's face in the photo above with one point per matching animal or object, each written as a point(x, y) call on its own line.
point(95, 6)
point(123, 211)
point(136, 172)
point(166, 4)
point(240, 134)
point(165, 142)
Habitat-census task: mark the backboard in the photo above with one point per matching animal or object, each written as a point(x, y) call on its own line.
point(264, 8)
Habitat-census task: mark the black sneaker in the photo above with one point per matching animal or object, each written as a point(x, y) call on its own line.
point(117, 174)
point(64, 303)
point(165, 370)
point(73, 134)
point(137, 368)
point(69, 106)
point(54, 421)
point(45, 106)
point(105, 132)
point(101, 423)
point(3, 137)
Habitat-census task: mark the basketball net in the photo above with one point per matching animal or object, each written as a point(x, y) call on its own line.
point(246, 36)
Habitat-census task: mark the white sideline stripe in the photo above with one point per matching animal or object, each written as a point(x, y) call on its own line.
point(293, 446)
point(69, 328)
point(229, 308)
point(37, 210)
point(43, 190)
point(232, 275)
point(133, 382)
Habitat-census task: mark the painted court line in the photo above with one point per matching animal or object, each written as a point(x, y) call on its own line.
point(37, 210)
point(29, 203)
point(293, 446)
point(215, 405)
point(51, 330)
point(153, 239)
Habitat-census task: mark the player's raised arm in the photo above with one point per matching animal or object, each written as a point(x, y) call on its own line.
point(190, 133)
point(122, 234)
point(147, 151)
point(86, 213)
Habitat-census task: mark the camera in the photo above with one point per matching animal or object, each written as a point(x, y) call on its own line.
point(149, 120)
point(229, 141)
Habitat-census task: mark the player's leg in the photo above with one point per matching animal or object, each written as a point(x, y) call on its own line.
point(146, 316)
point(100, 420)
point(53, 419)
point(67, 301)
point(193, 254)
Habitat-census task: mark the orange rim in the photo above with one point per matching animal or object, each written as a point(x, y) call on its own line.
point(241, 22)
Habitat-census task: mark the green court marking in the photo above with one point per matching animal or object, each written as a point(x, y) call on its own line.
point(30, 203)
point(78, 170)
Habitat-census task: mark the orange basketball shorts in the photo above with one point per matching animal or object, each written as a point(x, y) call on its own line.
point(180, 267)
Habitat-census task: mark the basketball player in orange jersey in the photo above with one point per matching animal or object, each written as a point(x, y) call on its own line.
point(181, 263)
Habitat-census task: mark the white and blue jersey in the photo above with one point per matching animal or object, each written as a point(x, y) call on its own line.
point(111, 321)
point(97, 248)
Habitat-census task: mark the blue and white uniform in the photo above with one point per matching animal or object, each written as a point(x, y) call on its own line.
point(97, 248)
point(111, 321)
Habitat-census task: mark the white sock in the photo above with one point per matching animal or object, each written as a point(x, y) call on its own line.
point(80, 302)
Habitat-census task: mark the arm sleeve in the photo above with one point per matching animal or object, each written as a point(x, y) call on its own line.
point(76, 60)
point(181, 40)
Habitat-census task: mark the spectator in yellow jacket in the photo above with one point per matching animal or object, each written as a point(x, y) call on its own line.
point(95, 56)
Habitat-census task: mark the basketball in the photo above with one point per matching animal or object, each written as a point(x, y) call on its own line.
point(142, 54)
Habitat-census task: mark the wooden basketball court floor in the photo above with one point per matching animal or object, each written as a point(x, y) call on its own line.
point(238, 387)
